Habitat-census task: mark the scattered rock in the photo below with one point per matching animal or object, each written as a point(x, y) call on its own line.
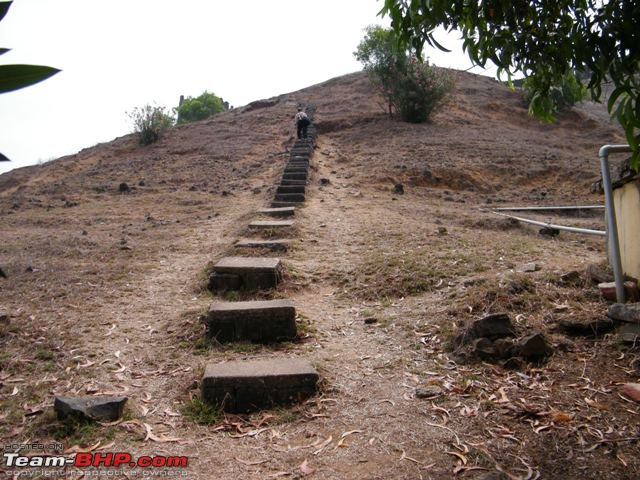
point(398, 188)
point(370, 320)
point(84, 232)
point(225, 193)
point(579, 327)
point(625, 312)
point(103, 408)
point(632, 390)
point(193, 188)
point(513, 363)
point(608, 290)
point(529, 267)
point(325, 181)
point(596, 274)
point(123, 188)
point(483, 348)
point(442, 231)
point(504, 348)
point(629, 333)
point(256, 190)
point(549, 232)
point(4, 319)
point(2, 274)
point(571, 278)
point(428, 391)
point(534, 347)
point(492, 327)
point(29, 269)
point(141, 183)
point(516, 287)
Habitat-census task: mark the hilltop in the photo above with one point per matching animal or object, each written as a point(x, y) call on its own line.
point(106, 287)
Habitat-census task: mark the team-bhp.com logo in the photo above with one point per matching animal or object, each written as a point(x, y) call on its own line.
point(86, 460)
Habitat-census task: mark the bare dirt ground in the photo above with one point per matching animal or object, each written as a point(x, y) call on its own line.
point(105, 291)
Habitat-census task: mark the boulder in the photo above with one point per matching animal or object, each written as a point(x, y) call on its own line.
point(625, 312)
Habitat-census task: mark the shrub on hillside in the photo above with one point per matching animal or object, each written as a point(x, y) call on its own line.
point(150, 122)
point(409, 87)
point(199, 108)
point(420, 91)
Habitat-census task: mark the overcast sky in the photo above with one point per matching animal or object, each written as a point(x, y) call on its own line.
point(119, 54)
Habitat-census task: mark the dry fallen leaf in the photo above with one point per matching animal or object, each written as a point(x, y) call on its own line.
point(248, 462)
point(323, 444)
point(305, 469)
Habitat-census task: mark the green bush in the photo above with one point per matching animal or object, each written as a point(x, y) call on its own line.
point(150, 122)
point(561, 97)
point(420, 91)
point(409, 87)
point(199, 108)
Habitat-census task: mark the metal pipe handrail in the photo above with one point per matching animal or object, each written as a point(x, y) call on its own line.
point(612, 228)
point(542, 209)
point(566, 228)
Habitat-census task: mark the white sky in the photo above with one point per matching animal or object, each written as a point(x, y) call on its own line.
point(119, 54)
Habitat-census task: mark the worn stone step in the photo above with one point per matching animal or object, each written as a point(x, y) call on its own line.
point(299, 158)
point(295, 175)
point(245, 386)
point(279, 212)
point(275, 245)
point(291, 189)
point(295, 170)
point(298, 161)
point(302, 166)
point(288, 181)
point(289, 197)
point(301, 152)
point(245, 273)
point(269, 224)
point(283, 204)
point(259, 322)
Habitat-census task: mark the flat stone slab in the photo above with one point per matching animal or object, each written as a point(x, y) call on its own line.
point(275, 245)
point(288, 181)
point(245, 273)
point(291, 189)
point(290, 197)
point(101, 408)
point(267, 224)
point(259, 322)
point(279, 212)
point(245, 386)
point(295, 176)
point(282, 204)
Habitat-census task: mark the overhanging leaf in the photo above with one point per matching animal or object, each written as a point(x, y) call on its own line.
point(3, 158)
point(14, 77)
point(4, 8)
point(4, 50)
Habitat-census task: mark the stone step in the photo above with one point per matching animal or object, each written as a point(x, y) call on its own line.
point(289, 197)
point(245, 386)
point(291, 189)
point(304, 165)
point(279, 212)
point(302, 151)
point(245, 273)
point(292, 182)
point(275, 245)
point(299, 158)
point(282, 204)
point(268, 224)
point(296, 170)
point(259, 322)
point(295, 175)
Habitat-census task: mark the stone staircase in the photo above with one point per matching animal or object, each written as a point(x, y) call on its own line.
point(245, 385)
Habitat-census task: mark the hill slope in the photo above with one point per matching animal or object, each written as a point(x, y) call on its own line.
point(105, 291)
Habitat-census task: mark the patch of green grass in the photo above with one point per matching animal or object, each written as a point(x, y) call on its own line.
point(201, 412)
point(46, 355)
point(243, 347)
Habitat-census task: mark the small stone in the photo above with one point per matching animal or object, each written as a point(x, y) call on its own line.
point(629, 333)
point(225, 193)
point(370, 320)
point(4, 319)
point(256, 190)
point(325, 181)
point(534, 347)
point(529, 267)
point(442, 231)
point(398, 188)
point(428, 391)
point(571, 278)
point(141, 183)
point(103, 408)
point(503, 347)
point(625, 312)
point(596, 275)
point(549, 232)
point(608, 290)
point(84, 232)
point(513, 363)
point(578, 327)
point(29, 269)
point(497, 325)
point(123, 188)
point(2, 274)
point(632, 390)
point(483, 348)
